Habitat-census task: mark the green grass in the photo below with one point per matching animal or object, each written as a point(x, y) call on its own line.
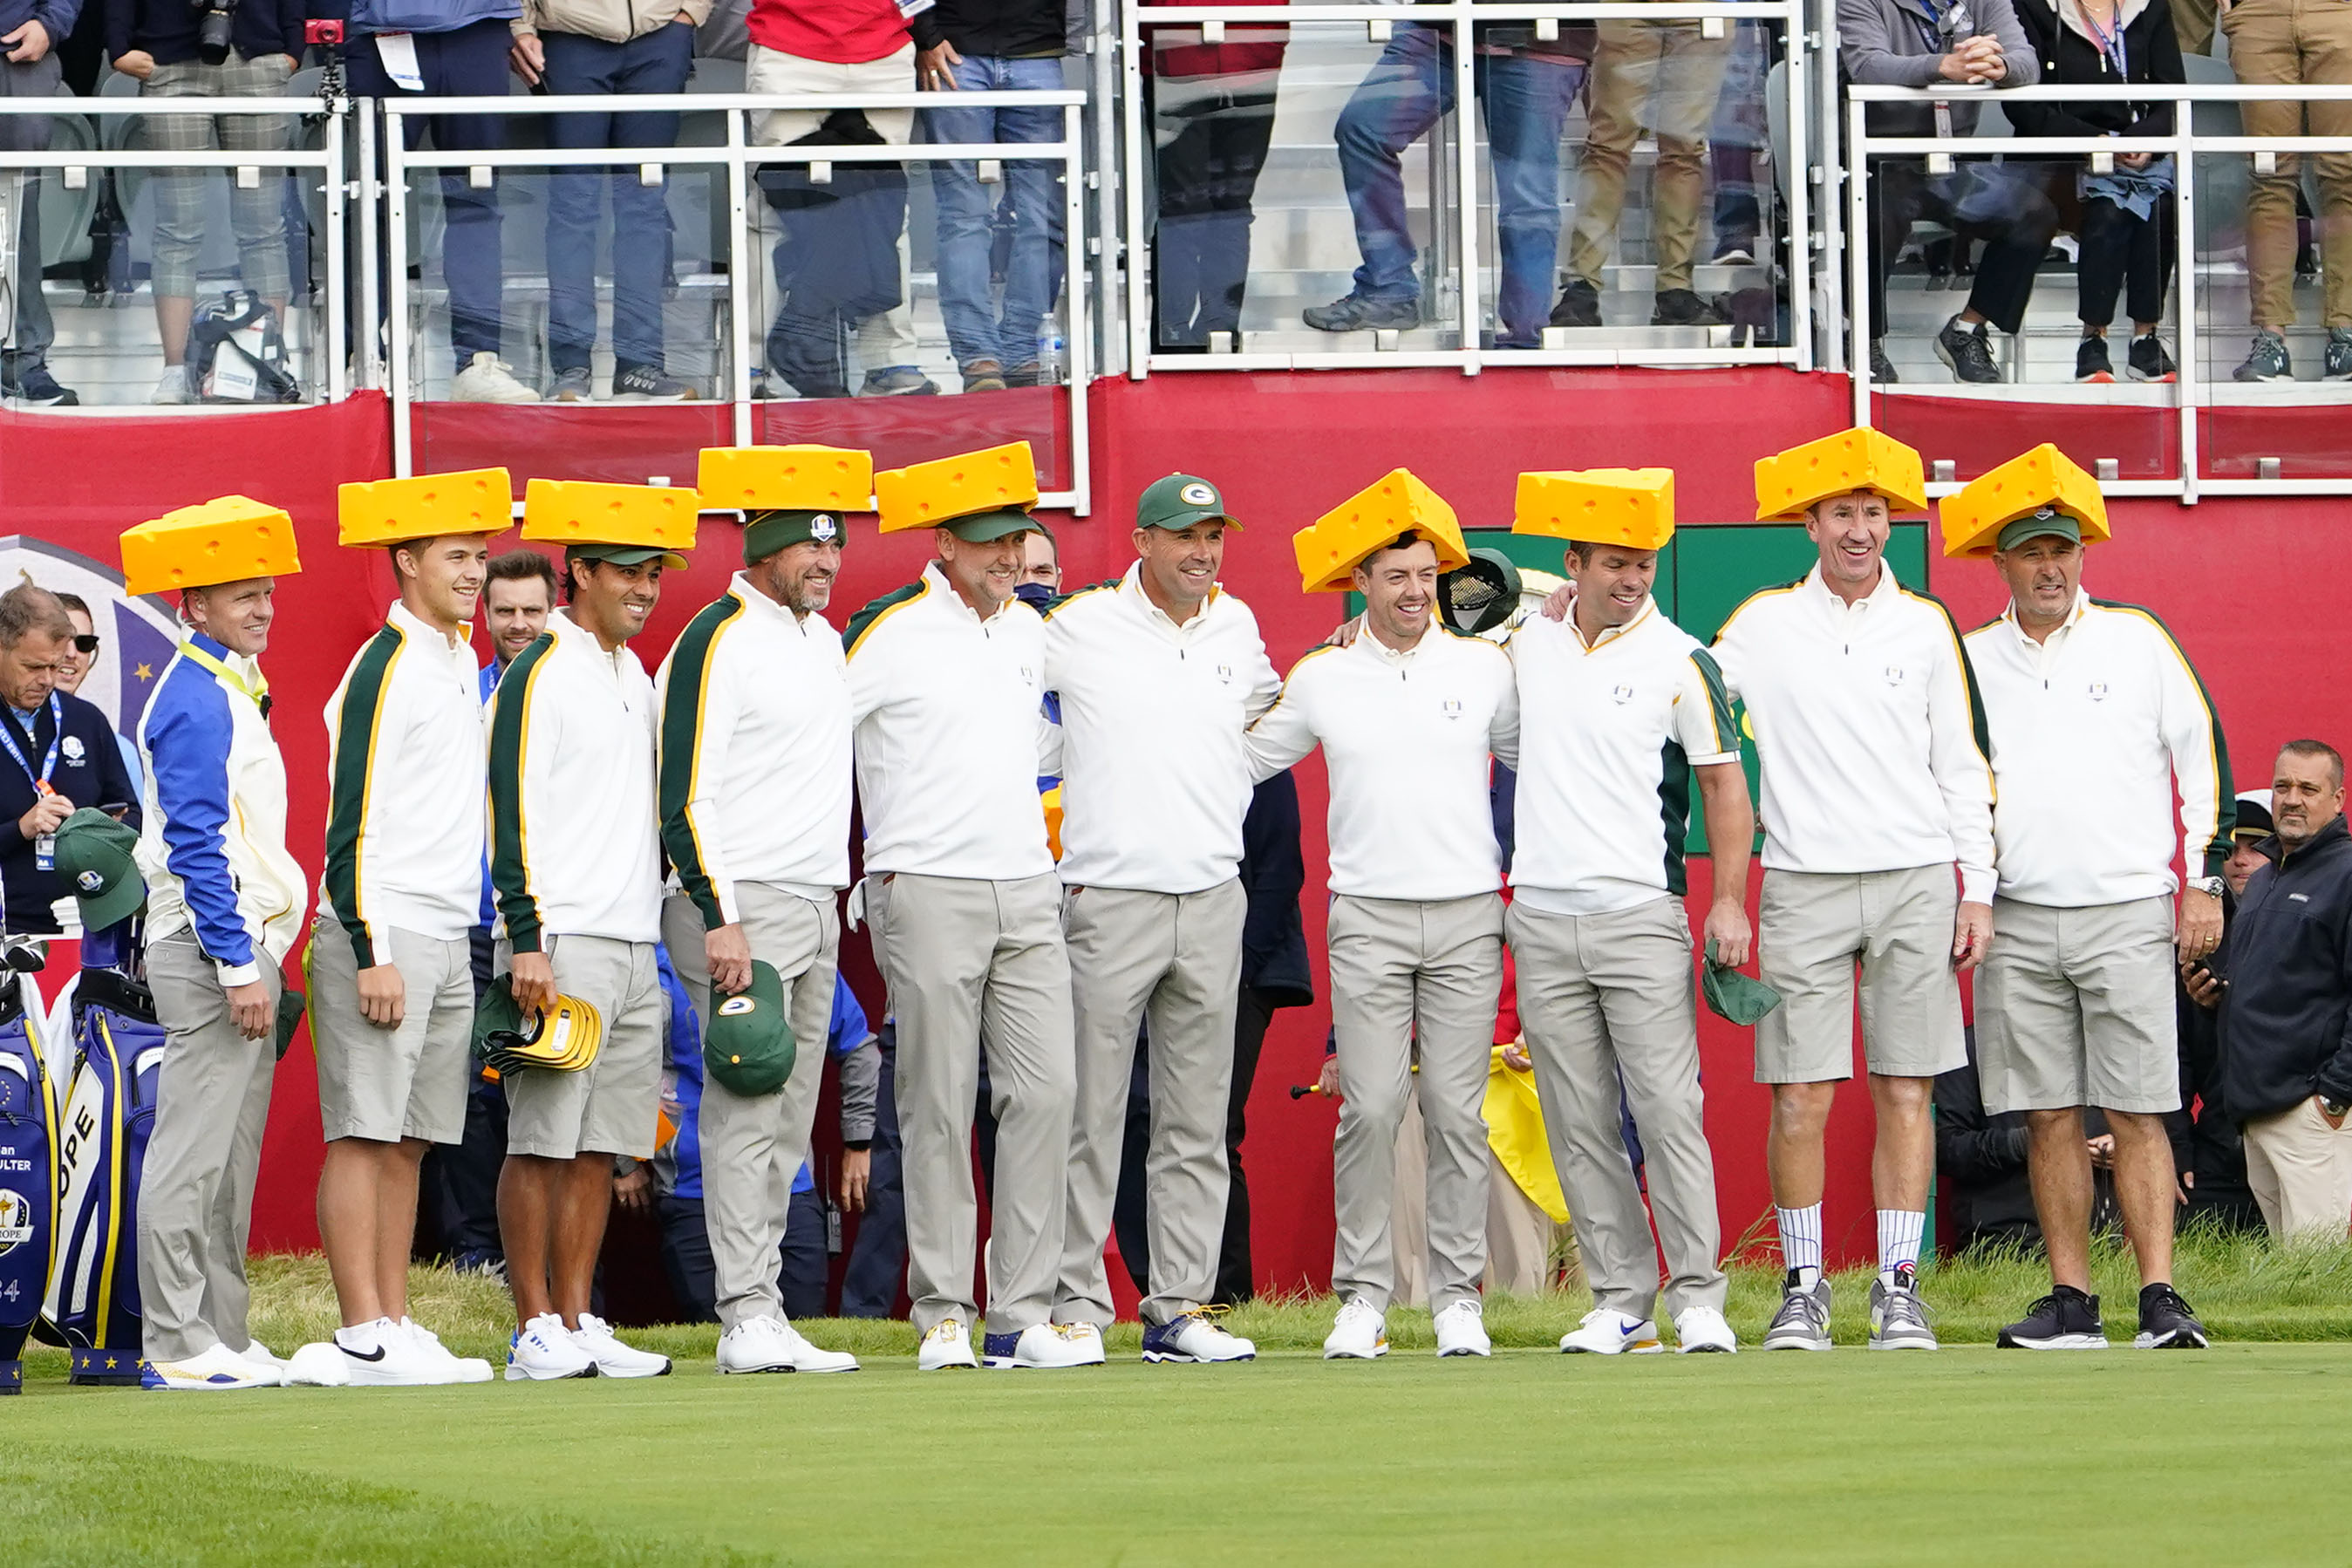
point(1972, 1456)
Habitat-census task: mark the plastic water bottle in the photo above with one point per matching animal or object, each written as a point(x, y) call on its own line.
point(1051, 355)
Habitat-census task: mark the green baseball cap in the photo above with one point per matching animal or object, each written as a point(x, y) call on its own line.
point(749, 1047)
point(1179, 500)
point(1741, 998)
point(627, 554)
point(2047, 523)
point(765, 532)
point(94, 856)
point(986, 527)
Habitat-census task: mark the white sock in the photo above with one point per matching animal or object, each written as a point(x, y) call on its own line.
point(1899, 1231)
point(1800, 1243)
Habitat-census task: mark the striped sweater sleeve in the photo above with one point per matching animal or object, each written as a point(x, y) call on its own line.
point(516, 731)
point(698, 714)
point(355, 738)
point(2200, 757)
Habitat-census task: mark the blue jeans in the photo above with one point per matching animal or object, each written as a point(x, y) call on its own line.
point(977, 329)
point(657, 62)
point(1526, 103)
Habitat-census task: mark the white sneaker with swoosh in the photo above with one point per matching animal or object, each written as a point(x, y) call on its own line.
point(1603, 1332)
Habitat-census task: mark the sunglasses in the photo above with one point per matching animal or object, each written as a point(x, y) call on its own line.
point(86, 643)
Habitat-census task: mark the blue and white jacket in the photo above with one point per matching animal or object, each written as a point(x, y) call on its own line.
point(213, 847)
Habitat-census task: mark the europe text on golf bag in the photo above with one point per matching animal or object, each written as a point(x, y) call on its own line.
point(29, 1181)
point(109, 1113)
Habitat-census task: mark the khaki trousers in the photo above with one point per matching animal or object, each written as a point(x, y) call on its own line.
point(1674, 73)
point(2278, 43)
point(753, 1145)
point(966, 962)
point(1406, 971)
point(1174, 959)
point(2301, 1171)
point(195, 1194)
point(1519, 1234)
point(1609, 1008)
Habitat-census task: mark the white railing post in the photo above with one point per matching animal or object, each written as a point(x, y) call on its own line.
point(1075, 341)
point(396, 241)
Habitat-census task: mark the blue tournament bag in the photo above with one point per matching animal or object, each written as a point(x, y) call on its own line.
point(29, 1181)
point(93, 1300)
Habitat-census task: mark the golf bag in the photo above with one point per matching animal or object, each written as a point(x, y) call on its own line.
point(93, 1301)
point(28, 1179)
point(237, 352)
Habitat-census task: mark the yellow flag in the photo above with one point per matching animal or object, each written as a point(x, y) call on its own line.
point(1515, 1130)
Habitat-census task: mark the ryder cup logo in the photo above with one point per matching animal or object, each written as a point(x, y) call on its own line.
point(1451, 707)
point(1197, 494)
point(90, 882)
point(821, 528)
point(2098, 692)
point(1624, 694)
point(1894, 675)
point(136, 637)
point(15, 1221)
point(1225, 674)
point(72, 747)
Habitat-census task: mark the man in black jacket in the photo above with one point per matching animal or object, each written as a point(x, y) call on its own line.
point(2286, 1006)
point(61, 754)
point(2206, 1150)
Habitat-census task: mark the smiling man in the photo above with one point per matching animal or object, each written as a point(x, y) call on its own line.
point(2096, 717)
point(577, 868)
point(61, 752)
point(1875, 783)
point(1159, 675)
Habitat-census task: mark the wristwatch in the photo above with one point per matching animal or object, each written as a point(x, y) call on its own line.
point(2210, 885)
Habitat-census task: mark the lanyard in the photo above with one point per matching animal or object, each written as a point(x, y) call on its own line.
point(49, 765)
point(259, 694)
point(2111, 44)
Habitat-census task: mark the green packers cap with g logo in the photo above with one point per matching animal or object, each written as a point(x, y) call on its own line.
point(93, 857)
point(749, 1047)
point(1179, 500)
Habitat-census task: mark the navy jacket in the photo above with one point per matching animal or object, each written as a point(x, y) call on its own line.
point(1274, 943)
point(167, 30)
point(89, 772)
point(2286, 1017)
point(56, 17)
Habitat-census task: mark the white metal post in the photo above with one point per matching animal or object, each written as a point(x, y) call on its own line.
point(1075, 333)
point(338, 380)
point(747, 274)
point(1467, 120)
point(1796, 178)
point(371, 311)
point(2185, 384)
point(1860, 243)
point(1141, 239)
point(396, 240)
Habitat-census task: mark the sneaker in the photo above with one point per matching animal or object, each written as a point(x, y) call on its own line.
point(1580, 305)
point(2267, 361)
point(2338, 365)
point(1736, 253)
point(543, 1348)
point(2147, 360)
point(1359, 1334)
point(214, 1371)
point(1703, 1330)
point(488, 1265)
point(1882, 369)
point(2091, 362)
point(379, 1355)
point(1898, 1319)
point(1044, 1345)
point(612, 1358)
point(2065, 1319)
point(455, 1368)
point(33, 384)
point(1803, 1323)
point(2166, 1323)
point(172, 388)
point(772, 1344)
point(1682, 308)
point(1605, 1332)
point(983, 375)
point(648, 383)
point(487, 379)
point(1354, 313)
point(319, 1365)
point(1194, 1336)
point(898, 381)
point(573, 385)
point(261, 1355)
point(1462, 1331)
point(1969, 352)
point(945, 1344)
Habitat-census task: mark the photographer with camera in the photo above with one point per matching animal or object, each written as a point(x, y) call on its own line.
point(209, 48)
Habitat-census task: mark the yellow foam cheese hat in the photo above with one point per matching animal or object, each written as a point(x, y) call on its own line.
point(1331, 547)
point(223, 541)
point(1974, 518)
point(393, 511)
point(1839, 465)
point(629, 517)
point(926, 495)
point(792, 479)
point(1631, 506)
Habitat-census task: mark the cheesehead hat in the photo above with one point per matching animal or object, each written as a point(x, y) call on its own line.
point(980, 496)
point(626, 524)
point(1330, 547)
point(394, 511)
point(224, 540)
point(749, 1047)
point(1631, 506)
point(788, 495)
point(1790, 482)
point(2038, 492)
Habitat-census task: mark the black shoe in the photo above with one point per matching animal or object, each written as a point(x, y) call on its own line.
point(1967, 351)
point(1682, 308)
point(1580, 305)
point(1354, 313)
point(2336, 366)
point(2091, 362)
point(2166, 1323)
point(1882, 369)
point(2065, 1319)
point(2149, 361)
point(33, 384)
point(2267, 360)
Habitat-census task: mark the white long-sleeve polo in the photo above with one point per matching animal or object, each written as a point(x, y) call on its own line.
point(1155, 776)
point(1866, 726)
point(1608, 736)
point(2090, 731)
point(405, 772)
point(950, 725)
point(755, 756)
point(572, 842)
point(1406, 737)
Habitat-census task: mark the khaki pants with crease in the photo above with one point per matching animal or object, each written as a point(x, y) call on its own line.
point(2283, 43)
point(1669, 74)
point(2301, 1171)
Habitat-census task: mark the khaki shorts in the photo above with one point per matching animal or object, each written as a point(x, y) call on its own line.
point(1813, 927)
point(2076, 1007)
point(611, 1106)
point(389, 1084)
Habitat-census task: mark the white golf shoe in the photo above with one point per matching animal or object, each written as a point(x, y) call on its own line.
point(1462, 1331)
point(543, 1350)
point(945, 1343)
point(214, 1371)
point(1702, 1328)
point(612, 1358)
point(1360, 1333)
point(1602, 1331)
point(772, 1344)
